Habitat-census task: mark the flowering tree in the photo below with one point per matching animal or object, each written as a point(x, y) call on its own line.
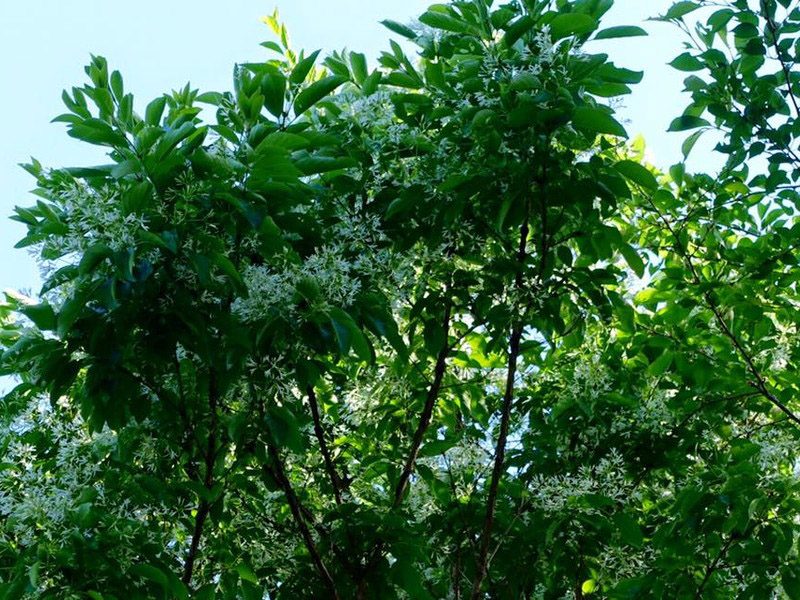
point(429, 330)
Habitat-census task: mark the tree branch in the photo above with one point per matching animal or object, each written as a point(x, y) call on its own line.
point(759, 382)
point(323, 445)
point(786, 72)
point(712, 567)
point(208, 480)
point(427, 411)
point(505, 421)
point(305, 532)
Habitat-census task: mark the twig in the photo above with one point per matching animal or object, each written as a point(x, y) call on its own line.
point(323, 445)
point(758, 382)
point(505, 421)
point(427, 411)
point(208, 481)
point(296, 508)
point(774, 31)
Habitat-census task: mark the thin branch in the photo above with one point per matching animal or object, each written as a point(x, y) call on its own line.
point(505, 421)
point(786, 72)
point(297, 513)
point(323, 445)
point(427, 411)
point(758, 382)
point(713, 567)
point(208, 481)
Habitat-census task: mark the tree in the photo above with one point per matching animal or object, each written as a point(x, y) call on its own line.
point(429, 330)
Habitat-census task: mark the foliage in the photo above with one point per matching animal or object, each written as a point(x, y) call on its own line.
point(428, 330)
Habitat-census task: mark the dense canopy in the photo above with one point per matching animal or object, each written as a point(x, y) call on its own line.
point(431, 329)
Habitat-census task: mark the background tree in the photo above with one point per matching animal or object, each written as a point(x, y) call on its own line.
point(427, 330)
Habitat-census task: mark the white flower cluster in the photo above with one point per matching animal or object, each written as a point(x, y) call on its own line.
point(777, 457)
point(368, 112)
point(366, 392)
point(38, 500)
point(778, 357)
point(617, 563)
point(463, 465)
point(541, 53)
point(274, 287)
point(554, 493)
point(420, 501)
point(50, 477)
point(267, 547)
point(653, 412)
point(92, 216)
point(590, 379)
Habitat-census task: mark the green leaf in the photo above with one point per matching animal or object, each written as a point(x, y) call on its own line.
point(301, 69)
point(93, 257)
point(401, 79)
point(637, 173)
point(214, 98)
point(679, 9)
point(285, 140)
point(686, 122)
point(246, 573)
point(370, 85)
point(629, 530)
point(571, 24)
point(42, 315)
point(97, 132)
point(227, 267)
point(525, 81)
point(273, 88)
point(690, 141)
point(790, 580)
point(33, 574)
point(660, 365)
point(358, 65)
point(269, 45)
point(407, 577)
point(597, 120)
point(629, 589)
point(316, 92)
point(150, 573)
point(172, 138)
point(633, 259)
point(517, 29)
point(311, 165)
point(207, 592)
point(687, 62)
point(621, 31)
point(154, 110)
point(349, 334)
point(399, 29)
point(445, 22)
point(610, 73)
point(116, 85)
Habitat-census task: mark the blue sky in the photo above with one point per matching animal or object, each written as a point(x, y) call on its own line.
point(159, 45)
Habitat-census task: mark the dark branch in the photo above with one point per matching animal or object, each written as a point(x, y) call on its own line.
point(427, 411)
point(505, 421)
point(297, 512)
point(323, 446)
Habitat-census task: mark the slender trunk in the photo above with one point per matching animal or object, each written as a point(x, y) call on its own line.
point(305, 532)
point(323, 446)
point(208, 481)
point(505, 421)
point(497, 470)
point(427, 412)
point(199, 522)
